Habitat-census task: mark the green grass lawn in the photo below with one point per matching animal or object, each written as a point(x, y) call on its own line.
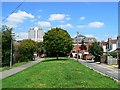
point(15, 65)
point(63, 73)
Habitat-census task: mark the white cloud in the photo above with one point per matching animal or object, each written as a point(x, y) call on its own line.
point(81, 26)
point(44, 24)
point(22, 35)
point(68, 18)
point(19, 17)
point(58, 17)
point(33, 20)
point(82, 18)
point(10, 25)
point(66, 26)
point(39, 16)
point(96, 24)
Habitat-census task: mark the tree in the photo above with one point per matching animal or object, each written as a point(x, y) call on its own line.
point(96, 50)
point(57, 42)
point(6, 45)
point(26, 50)
point(40, 48)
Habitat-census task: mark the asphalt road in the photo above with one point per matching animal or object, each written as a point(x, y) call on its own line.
point(102, 68)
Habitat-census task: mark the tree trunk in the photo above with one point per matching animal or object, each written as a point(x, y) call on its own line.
point(57, 55)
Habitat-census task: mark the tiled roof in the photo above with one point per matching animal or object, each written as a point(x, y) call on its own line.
point(113, 41)
point(104, 43)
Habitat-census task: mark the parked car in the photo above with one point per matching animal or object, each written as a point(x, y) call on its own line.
point(43, 55)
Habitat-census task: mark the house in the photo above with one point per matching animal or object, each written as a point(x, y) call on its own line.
point(118, 41)
point(104, 45)
point(112, 45)
point(82, 37)
point(82, 46)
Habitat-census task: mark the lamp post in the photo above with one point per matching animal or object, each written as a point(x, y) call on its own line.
point(77, 46)
point(11, 54)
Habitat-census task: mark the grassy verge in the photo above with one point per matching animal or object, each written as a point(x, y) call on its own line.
point(15, 65)
point(62, 73)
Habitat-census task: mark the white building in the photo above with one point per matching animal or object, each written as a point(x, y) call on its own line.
point(36, 34)
point(112, 45)
point(104, 45)
point(118, 42)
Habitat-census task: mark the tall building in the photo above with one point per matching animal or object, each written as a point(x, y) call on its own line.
point(36, 34)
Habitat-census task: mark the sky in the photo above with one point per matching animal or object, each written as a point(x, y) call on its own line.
point(92, 19)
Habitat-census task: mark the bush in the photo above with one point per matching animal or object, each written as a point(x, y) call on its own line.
point(113, 54)
point(25, 51)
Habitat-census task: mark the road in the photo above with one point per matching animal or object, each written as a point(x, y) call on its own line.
point(102, 68)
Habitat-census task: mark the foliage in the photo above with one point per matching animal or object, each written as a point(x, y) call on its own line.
point(26, 50)
point(6, 45)
point(0, 48)
point(114, 54)
point(57, 42)
point(96, 50)
point(63, 73)
point(40, 48)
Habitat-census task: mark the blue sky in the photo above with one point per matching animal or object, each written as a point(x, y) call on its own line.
point(98, 19)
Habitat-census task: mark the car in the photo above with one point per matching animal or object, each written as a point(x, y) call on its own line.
point(43, 55)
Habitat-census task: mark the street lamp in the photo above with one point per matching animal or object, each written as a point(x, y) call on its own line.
point(11, 55)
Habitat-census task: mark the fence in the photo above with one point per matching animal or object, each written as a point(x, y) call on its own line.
point(111, 60)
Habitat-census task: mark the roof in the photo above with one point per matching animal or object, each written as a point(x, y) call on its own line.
point(89, 39)
point(104, 43)
point(86, 39)
point(113, 41)
point(79, 36)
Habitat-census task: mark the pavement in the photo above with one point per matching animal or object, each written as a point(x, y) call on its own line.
point(6, 73)
point(102, 68)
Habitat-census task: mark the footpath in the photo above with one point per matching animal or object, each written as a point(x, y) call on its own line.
point(6, 73)
point(102, 68)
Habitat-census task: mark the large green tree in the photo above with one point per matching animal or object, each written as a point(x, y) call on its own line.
point(40, 48)
point(57, 42)
point(96, 50)
point(26, 50)
point(6, 45)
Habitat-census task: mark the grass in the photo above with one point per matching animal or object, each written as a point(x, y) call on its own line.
point(15, 65)
point(62, 73)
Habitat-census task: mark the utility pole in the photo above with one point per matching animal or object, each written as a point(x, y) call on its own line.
point(77, 46)
point(11, 55)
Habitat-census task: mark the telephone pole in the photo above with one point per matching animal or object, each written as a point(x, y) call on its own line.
point(77, 46)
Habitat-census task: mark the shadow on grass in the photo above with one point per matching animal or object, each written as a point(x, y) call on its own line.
point(48, 60)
